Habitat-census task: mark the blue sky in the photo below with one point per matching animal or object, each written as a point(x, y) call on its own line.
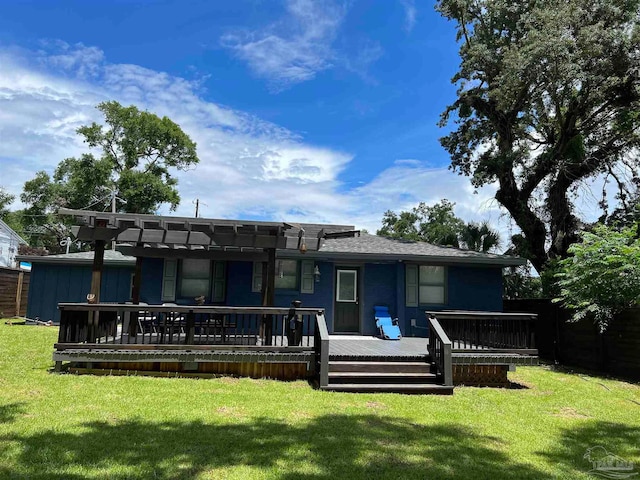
point(320, 111)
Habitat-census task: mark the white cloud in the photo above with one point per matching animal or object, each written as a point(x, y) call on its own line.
point(249, 168)
point(294, 49)
point(410, 14)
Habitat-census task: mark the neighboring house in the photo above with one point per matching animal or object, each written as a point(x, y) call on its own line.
point(67, 278)
point(9, 243)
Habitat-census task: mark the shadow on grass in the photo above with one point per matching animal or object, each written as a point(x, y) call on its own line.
point(617, 438)
point(328, 447)
point(10, 411)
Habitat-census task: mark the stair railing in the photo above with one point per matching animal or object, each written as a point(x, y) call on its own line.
point(321, 347)
point(440, 350)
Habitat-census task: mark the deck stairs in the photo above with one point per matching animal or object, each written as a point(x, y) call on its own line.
point(384, 374)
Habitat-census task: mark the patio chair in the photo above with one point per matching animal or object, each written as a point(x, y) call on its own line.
point(388, 328)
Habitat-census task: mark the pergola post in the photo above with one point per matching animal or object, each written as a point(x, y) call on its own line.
point(135, 298)
point(268, 293)
point(96, 271)
point(96, 284)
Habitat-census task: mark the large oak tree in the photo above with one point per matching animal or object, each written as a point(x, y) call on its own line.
point(548, 97)
point(138, 153)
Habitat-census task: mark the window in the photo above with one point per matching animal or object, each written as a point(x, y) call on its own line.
point(195, 278)
point(425, 285)
point(191, 278)
point(432, 284)
point(288, 276)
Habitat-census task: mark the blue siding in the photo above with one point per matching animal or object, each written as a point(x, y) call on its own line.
point(468, 288)
point(51, 284)
point(475, 288)
point(379, 288)
point(240, 276)
point(151, 282)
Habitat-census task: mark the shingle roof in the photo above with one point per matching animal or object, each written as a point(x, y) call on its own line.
point(372, 247)
point(364, 247)
point(111, 257)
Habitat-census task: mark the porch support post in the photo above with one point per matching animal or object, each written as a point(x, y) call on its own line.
point(137, 281)
point(135, 299)
point(96, 272)
point(96, 283)
point(268, 294)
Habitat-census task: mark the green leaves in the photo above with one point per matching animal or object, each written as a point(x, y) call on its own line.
point(139, 151)
point(437, 224)
point(548, 96)
point(602, 276)
point(5, 200)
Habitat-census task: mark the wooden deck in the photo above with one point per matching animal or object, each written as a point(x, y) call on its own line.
point(416, 349)
point(364, 347)
point(261, 342)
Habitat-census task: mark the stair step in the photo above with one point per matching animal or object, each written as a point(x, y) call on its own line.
point(382, 377)
point(423, 389)
point(386, 367)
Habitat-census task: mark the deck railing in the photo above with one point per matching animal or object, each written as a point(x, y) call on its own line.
point(127, 324)
point(488, 330)
point(440, 350)
point(321, 343)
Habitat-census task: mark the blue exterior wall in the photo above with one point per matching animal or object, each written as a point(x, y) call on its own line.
point(379, 288)
point(468, 288)
point(151, 284)
point(53, 283)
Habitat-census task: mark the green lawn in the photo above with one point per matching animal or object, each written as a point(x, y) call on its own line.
point(72, 427)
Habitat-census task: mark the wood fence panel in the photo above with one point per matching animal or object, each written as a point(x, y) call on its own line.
point(581, 344)
point(9, 286)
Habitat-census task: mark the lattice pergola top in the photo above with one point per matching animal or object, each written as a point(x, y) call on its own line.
point(165, 233)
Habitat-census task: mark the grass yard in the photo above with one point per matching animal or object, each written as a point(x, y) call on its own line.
point(78, 427)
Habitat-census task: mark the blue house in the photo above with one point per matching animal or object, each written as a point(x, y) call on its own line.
point(67, 278)
point(347, 275)
point(280, 300)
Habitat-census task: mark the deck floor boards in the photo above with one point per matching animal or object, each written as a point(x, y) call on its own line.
point(369, 347)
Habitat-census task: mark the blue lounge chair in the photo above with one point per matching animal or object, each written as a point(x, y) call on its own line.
point(389, 329)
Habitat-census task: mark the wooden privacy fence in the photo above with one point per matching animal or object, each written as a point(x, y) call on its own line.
point(581, 344)
point(14, 291)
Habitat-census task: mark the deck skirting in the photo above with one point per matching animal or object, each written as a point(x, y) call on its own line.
point(239, 356)
point(253, 364)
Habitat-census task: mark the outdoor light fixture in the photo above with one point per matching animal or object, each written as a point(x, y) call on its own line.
point(280, 269)
point(302, 242)
point(316, 273)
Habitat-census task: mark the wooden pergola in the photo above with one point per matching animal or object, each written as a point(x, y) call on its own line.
point(183, 237)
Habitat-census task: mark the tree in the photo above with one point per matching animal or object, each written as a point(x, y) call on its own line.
point(435, 224)
point(139, 152)
point(548, 96)
point(479, 237)
point(6, 199)
point(439, 225)
point(603, 275)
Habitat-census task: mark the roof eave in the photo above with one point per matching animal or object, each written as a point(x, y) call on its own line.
point(440, 259)
point(74, 261)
